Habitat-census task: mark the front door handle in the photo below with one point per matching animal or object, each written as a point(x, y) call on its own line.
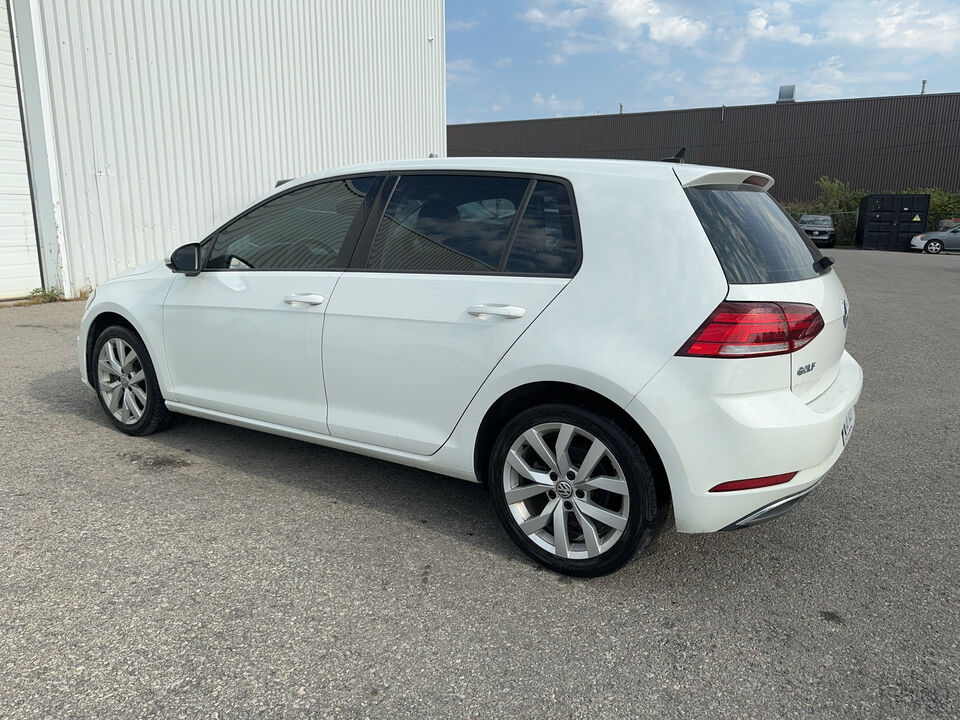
point(508, 311)
point(305, 298)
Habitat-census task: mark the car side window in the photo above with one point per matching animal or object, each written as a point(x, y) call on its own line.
point(300, 230)
point(447, 223)
point(546, 240)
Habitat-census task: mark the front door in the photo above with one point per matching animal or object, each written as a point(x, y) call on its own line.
point(452, 278)
point(244, 336)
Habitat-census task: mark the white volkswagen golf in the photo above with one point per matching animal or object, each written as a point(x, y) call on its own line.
point(594, 340)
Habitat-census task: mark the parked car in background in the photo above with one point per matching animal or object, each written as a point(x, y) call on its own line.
point(936, 242)
point(820, 229)
point(531, 324)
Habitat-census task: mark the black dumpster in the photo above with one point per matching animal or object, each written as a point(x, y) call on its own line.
point(887, 222)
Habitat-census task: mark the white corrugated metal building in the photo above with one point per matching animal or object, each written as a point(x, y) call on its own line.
point(129, 128)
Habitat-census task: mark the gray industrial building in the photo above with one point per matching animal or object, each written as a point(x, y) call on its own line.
point(876, 144)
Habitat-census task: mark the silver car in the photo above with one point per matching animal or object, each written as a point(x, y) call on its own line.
point(936, 242)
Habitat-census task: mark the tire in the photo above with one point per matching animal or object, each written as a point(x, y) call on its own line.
point(126, 385)
point(934, 247)
point(540, 497)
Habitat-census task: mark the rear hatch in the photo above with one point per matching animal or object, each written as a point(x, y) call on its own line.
point(766, 257)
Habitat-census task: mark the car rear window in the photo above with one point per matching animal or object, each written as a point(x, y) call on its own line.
point(754, 238)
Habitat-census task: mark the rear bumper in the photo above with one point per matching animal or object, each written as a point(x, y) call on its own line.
point(705, 438)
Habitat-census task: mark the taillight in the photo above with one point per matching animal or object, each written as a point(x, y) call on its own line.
point(754, 482)
point(754, 329)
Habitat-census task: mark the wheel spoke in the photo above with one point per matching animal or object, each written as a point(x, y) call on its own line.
point(139, 394)
point(520, 465)
point(561, 540)
point(121, 352)
point(130, 404)
point(524, 492)
point(535, 440)
point(137, 377)
point(594, 455)
point(607, 517)
point(563, 447)
point(112, 362)
point(114, 398)
point(130, 357)
point(610, 484)
point(590, 537)
point(540, 521)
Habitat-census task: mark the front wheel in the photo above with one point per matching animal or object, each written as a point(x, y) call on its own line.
point(934, 247)
point(126, 383)
point(574, 490)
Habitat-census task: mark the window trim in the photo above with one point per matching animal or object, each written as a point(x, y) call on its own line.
point(362, 254)
point(349, 242)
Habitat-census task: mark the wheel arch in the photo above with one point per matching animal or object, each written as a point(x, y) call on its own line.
point(101, 322)
point(540, 393)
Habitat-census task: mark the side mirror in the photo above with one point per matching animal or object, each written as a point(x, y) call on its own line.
point(185, 259)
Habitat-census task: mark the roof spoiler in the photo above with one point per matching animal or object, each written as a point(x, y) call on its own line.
point(692, 176)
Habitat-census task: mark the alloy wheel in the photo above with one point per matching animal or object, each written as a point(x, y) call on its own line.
point(566, 491)
point(121, 380)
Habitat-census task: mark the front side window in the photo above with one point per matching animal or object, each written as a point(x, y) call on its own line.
point(447, 223)
point(300, 230)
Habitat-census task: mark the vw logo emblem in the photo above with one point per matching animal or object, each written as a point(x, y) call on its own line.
point(564, 489)
point(845, 309)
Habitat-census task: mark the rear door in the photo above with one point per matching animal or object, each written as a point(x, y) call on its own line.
point(456, 269)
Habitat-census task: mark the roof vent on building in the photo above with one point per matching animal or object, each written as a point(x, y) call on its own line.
point(788, 93)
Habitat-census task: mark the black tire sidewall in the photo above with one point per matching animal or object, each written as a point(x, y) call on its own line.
point(644, 516)
point(151, 411)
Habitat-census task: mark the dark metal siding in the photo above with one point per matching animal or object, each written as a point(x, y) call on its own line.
point(877, 144)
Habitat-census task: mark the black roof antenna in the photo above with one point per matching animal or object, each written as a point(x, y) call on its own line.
point(678, 158)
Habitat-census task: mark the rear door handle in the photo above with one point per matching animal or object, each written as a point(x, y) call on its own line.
point(305, 298)
point(508, 311)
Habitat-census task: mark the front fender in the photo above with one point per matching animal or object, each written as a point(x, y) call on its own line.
point(138, 299)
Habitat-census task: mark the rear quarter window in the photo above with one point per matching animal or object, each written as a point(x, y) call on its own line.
point(755, 240)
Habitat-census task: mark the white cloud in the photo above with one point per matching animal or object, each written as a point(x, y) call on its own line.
point(496, 108)
point(551, 16)
point(759, 26)
point(829, 78)
point(669, 101)
point(461, 25)
point(661, 26)
point(461, 72)
point(929, 27)
point(503, 62)
point(552, 102)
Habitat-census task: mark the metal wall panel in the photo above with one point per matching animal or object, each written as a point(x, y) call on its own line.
point(877, 144)
point(19, 262)
point(168, 115)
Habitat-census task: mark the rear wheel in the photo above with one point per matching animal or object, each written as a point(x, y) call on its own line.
point(934, 247)
point(574, 490)
point(126, 383)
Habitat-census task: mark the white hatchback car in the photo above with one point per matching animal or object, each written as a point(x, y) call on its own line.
point(593, 339)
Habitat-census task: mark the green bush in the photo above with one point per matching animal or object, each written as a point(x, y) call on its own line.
point(841, 202)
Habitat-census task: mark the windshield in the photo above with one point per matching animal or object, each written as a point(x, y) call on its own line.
point(754, 238)
point(816, 220)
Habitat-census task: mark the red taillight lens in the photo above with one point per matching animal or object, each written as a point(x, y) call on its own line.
point(754, 482)
point(754, 329)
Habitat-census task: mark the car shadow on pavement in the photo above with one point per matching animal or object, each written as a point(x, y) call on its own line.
point(456, 508)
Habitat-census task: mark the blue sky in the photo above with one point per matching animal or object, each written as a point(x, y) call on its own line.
point(547, 58)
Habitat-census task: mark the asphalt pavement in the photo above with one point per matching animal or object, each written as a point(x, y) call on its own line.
point(210, 571)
